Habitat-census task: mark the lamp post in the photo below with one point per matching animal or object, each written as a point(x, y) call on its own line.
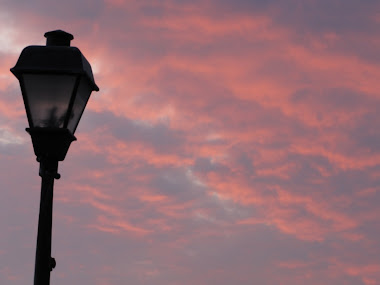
point(56, 82)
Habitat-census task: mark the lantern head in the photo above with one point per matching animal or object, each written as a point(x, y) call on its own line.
point(56, 82)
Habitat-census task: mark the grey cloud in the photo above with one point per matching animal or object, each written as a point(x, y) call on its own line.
point(159, 136)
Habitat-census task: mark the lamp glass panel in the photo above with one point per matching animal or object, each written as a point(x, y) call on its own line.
point(82, 96)
point(48, 97)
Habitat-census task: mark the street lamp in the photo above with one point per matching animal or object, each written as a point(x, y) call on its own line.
point(56, 82)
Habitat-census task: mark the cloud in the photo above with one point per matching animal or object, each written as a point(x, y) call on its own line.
point(228, 143)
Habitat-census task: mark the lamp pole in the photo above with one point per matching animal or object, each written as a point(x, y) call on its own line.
point(56, 82)
point(44, 262)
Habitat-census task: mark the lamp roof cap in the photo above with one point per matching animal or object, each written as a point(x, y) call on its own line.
point(58, 38)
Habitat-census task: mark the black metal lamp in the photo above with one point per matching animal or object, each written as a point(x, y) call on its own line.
point(56, 82)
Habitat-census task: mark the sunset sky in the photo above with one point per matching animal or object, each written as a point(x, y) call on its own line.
point(231, 143)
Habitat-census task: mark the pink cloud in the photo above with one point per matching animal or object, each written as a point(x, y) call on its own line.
point(222, 148)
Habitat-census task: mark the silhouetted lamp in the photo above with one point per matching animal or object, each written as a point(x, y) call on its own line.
point(56, 82)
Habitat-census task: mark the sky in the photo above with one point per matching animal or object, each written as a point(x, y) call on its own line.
point(231, 142)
